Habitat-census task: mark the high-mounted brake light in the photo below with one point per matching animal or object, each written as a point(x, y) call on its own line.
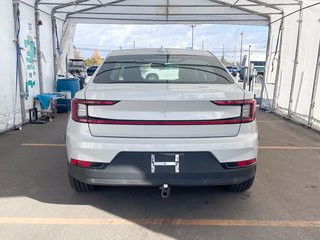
point(80, 108)
point(248, 108)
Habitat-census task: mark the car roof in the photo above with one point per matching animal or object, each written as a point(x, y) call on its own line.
point(160, 51)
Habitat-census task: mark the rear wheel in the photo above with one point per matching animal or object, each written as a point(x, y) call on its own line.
point(80, 186)
point(259, 79)
point(152, 77)
point(241, 187)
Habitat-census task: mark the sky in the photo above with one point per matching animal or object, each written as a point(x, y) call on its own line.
point(212, 37)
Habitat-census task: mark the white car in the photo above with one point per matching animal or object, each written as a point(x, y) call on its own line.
point(197, 129)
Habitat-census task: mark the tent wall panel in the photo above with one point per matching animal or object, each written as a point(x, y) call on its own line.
point(316, 109)
point(47, 52)
point(29, 56)
point(303, 85)
point(8, 109)
point(287, 61)
point(307, 62)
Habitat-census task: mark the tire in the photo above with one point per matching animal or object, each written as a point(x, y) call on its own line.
point(259, 79)
point(241, 187)
point(152, 77)
point(80, 186)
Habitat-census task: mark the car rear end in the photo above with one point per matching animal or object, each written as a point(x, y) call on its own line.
point(195, 128)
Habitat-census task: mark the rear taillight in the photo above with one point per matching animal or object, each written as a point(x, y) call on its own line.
point(80, 114)
point(86, 164)
point(248, 108)
point(240, 164)
point(80, 108)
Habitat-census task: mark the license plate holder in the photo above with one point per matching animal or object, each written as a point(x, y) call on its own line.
point(165, 160)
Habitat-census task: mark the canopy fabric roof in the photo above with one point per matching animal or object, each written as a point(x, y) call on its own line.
point(244, 12)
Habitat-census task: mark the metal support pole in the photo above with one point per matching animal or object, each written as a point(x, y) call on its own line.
point(246, 72)
point(223, 51)
point(244, 76)
point(314, 88)
point(295, 66)
point(266, 66)
point(16, 13)
point(192, 40)
point(53, 22)
point(235, 48)
point(39, 57)
point(67, 67)
point(276, 84)
point(249, 68)
point(241, 42)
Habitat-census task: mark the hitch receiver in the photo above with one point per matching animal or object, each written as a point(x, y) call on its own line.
point(165, 190)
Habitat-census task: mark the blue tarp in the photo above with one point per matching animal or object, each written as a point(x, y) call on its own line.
point(45, 99)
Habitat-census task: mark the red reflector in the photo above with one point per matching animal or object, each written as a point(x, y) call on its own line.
point(80, 163)
point(246, 163)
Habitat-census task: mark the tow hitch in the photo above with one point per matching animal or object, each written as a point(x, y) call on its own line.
point(165, 190)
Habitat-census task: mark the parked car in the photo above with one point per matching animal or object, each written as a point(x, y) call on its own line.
point(150, 72)
point(197, 128)
point(233, 70)
point(90, 72)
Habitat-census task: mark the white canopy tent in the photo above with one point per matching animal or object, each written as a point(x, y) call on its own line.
point(292, 73)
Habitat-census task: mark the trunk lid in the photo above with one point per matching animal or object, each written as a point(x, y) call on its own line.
point(153, 105)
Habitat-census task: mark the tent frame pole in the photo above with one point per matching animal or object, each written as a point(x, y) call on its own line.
point(53, 28)
point(94, 7)
point(295, 66)
point(276, 84)
point(54, 50)
point(38, 44)
point(264, 81)
point(314, 89)
point(277, 81)
point(20, 70)
point(266, 16)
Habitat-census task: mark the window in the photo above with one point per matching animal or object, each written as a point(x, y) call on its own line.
point(162, 69)
point(258, 63)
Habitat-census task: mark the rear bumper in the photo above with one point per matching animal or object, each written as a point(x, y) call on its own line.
point(129, 177)
point(136, 171)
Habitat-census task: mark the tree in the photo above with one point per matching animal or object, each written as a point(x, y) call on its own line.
point(89, 62)
point(96, 59)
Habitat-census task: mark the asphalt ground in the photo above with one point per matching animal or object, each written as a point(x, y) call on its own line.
point(36, 201)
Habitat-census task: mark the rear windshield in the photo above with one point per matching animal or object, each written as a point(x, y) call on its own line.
point(163, 69)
